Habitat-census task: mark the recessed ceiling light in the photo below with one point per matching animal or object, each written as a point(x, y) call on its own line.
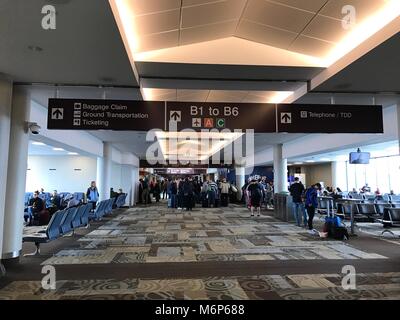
point(72, 153)
point(38, 143)
point(58, 149)
point(298, 163)
point(310, 161)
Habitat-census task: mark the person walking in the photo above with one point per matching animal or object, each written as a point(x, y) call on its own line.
point(92, 194)
point(255, 196)
point(296, 191)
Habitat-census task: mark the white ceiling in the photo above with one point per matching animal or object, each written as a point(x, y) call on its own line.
point(36, 148)
point(310, 27)
point(214, 95)
point(85, 48)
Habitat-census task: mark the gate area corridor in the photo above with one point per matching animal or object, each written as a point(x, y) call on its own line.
point(215, 253)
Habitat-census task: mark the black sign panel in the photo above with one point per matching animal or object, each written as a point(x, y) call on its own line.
point(295, 118)
point(197, 116)
point(75, 114)
point(178, 164)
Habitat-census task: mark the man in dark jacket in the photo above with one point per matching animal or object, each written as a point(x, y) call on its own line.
point(188, 191)
point(296, 191)
point(35, 207)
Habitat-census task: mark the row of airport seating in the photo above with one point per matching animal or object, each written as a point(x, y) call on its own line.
point(46, 197)
point(385, 212)
point(371, 198)
point(66, 221)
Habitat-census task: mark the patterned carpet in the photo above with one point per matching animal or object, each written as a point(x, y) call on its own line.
point(382, 286)
point(146, 235)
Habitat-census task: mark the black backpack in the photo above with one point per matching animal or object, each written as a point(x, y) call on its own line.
point(338, 232)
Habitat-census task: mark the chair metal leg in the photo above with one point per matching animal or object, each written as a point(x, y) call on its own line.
point(388, 231)
point(2, 270)
point(35, 253)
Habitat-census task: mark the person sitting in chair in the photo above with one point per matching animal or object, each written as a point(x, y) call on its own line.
point(35, 207)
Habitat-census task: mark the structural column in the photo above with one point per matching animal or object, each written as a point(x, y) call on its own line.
point(334, 172)
point(240, 173)
point(5, 124)
point(104, 167)
point(240, 176)
point(280, 170)
point(16, 173)
point(135, 187)
point(129, 179)
point(398, 124)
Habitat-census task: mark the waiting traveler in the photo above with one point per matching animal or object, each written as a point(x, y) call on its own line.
point(55, 202)
point(188, 191)
point(157, 190)
point(92, 194)
point(296, 191)
point(145, 191)
point(212, 190)
point(164, 188)
point(255, 196)
point(378, 195)
point(113, 194)
point(140, 190)
point(180, 195)
point(366, 189)
point(173, 193)
point(225, 187)
point(203, 195)
point(312, 204)
point(35, 207)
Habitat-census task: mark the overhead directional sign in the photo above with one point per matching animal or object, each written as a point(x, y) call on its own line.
point(105, 114)
point(329, 119)
point(261, 117)
point(197, 115)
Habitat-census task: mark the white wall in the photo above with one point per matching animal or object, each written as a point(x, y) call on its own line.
point(65, 178)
